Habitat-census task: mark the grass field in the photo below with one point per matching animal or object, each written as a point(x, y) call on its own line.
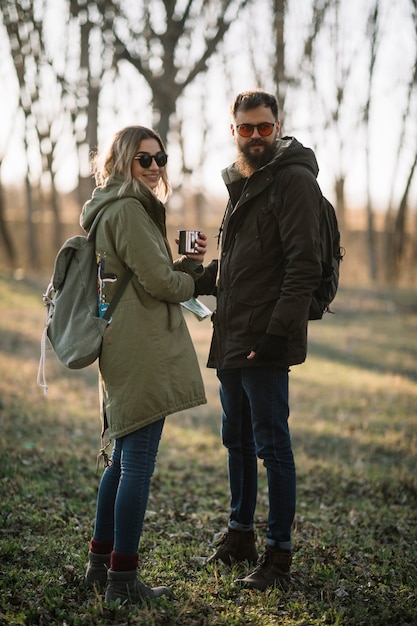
point(354, 428)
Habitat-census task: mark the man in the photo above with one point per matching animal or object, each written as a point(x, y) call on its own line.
point(268, 269)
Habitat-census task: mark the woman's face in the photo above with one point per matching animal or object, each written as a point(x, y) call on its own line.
point(152, 174)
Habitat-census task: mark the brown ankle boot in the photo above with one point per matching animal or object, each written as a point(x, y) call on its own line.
point(272, 570)
point(235, 546)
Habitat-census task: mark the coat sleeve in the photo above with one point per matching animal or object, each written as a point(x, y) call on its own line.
point(182, 265)
point(141, 246)
point(299, 220)
point(206, 285)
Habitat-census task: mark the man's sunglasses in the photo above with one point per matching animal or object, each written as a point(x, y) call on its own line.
point(264, 129)
point(145, 159)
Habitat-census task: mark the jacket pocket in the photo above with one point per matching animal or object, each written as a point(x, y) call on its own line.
point(174, 315)
point(251, 312)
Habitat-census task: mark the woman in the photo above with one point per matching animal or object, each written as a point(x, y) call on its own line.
point(148, 367)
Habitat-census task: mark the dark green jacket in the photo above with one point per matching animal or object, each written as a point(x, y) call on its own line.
point(269, 264)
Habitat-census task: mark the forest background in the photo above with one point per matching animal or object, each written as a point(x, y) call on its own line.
point(345, 72)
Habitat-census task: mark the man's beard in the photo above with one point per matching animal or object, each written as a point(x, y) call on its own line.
point(247, 162)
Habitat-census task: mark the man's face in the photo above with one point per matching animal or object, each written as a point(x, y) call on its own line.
point(257, 149)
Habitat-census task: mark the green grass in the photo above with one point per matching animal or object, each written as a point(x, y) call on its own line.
point(355, 440)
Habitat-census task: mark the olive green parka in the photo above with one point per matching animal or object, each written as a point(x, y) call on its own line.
point(148, 366)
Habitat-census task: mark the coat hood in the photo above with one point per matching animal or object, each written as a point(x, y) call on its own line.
point(109, 194)
point(289, 152)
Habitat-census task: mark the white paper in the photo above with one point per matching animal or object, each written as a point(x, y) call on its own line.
point(200, 310)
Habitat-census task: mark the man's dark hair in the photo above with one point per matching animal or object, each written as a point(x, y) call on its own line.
point(251, 99)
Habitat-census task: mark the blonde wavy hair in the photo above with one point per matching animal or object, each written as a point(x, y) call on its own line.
point(118, 161)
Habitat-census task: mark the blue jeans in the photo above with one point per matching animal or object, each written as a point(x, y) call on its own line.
point(255, 424)
point(124, 488)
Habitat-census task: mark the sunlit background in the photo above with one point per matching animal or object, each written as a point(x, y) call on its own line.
point(73, 72)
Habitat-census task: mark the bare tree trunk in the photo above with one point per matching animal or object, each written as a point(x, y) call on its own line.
point(33, 260)
point(374, 33)
point(56, 211)
point(279, 65)
point(163, 110)
point(413, 256)
point(90, 129)
point(398, 243)
point(13, 16)
point(4, 229)
point(4, 226)
point(394, 236)
point(339, 188)
point(92, 124)
point(370, 220)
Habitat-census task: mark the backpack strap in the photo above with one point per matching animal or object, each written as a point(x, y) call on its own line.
point(126, 278)
point(93, 228)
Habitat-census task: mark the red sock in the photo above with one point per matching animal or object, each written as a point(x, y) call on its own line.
point(101, 547)
point(123, 562)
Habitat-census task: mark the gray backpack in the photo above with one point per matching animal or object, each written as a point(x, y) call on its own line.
point(73, 327)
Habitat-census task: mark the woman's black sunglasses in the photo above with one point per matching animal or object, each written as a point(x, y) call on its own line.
point(145, 159)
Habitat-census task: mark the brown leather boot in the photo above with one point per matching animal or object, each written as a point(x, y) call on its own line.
point(272, 570)
point(235, 546)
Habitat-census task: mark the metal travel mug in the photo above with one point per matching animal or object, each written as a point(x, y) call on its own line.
point(187, 241)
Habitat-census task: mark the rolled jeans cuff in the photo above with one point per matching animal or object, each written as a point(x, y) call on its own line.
point(244, 528)
point(283, 545)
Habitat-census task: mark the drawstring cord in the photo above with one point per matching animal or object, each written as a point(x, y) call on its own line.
point(50, 305)
point(41, 379)
point(107, 462)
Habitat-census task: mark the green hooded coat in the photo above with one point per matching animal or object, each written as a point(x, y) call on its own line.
point(148, 366)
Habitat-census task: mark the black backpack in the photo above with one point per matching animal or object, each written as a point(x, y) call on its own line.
point(331, 254)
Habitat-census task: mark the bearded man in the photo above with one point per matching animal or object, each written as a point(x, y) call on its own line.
point(267, 270)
